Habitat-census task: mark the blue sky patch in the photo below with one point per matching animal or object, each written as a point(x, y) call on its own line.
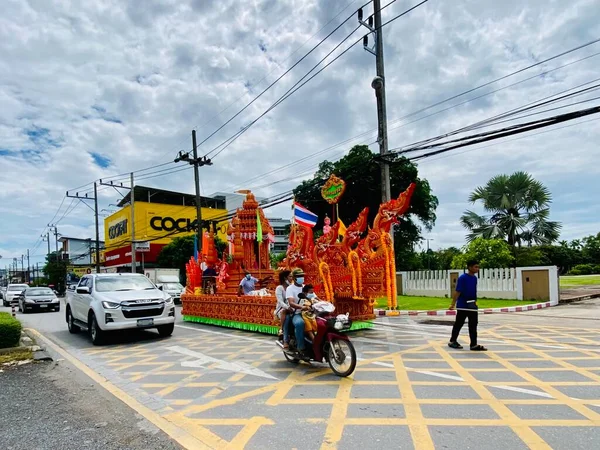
point(101, 161)
point(104, 115)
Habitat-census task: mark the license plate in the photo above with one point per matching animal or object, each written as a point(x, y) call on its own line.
point(43, 306)
point(145, 322)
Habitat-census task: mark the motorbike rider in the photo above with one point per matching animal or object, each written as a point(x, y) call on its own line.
point(292, 293)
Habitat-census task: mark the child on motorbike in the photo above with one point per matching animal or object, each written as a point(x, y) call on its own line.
point(307, 298)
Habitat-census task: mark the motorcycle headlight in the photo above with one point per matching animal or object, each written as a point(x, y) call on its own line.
point(110, 305)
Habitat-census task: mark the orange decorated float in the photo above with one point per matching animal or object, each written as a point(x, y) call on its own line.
point(350, 268)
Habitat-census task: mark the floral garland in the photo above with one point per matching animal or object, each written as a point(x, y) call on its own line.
point(324, 267)
point(354, 263)
point(351, 265)
point(392, 278)
point(388, 287)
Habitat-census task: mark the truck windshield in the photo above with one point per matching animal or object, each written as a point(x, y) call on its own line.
point(18, 287)
point(172, 286)
point(123, 283)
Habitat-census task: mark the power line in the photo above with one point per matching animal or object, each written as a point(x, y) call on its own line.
point(279, 78)
point(298, 86)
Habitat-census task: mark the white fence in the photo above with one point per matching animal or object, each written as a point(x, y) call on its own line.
point(492, 283)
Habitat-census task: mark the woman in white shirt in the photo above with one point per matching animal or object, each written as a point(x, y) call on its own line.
point(283, 306)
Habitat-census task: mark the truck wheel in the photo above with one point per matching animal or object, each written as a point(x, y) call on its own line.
point(166, 330)
point(96, 334)
point(73, 329)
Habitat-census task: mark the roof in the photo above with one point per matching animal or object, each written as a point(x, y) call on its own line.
point(67, 238)
point(154, 195)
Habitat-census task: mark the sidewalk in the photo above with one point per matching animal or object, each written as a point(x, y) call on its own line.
point(48, 405)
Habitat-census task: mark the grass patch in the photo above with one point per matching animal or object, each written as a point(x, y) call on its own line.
point(16, 356)
point(579, 280)
point(410, 303)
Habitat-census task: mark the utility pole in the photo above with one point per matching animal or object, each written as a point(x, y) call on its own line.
point(95, 209)
point(97, 228)
point(46, 237)
point(28, 273)
point(132, 201)
point(55, 239)
point(196, 162)
point(378, 84)
point(116, 187)
point(428, 255)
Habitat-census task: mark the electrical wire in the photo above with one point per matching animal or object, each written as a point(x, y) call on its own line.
point(297, 86)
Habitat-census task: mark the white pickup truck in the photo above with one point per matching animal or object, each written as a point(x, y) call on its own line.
point(168, 281)
point(121, 301)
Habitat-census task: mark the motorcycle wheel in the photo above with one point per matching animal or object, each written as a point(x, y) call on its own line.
point(341, 357)
point(291, 358)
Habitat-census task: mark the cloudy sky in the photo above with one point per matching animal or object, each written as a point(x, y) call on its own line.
point(92, 90)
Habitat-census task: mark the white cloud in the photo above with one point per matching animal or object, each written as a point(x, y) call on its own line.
point(130, 82)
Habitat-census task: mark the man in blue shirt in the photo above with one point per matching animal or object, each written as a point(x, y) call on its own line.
point(464, 299)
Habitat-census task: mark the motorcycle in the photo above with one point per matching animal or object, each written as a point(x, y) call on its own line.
point(329, 344)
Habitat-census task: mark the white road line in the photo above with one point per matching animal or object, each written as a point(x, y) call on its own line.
point(375, 341)
point(202, 360)
point(228, 335)
point(446, 335)
point(456, 378)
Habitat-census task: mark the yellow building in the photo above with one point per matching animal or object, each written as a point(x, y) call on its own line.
point(160, 217)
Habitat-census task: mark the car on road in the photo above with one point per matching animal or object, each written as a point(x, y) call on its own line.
point(12, 293)
point(38, 298)
point(118, 301)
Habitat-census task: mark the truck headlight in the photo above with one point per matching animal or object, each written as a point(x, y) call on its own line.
point(110, 305)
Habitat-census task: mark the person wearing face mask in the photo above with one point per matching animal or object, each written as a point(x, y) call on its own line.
point(307, 298)
point(292, 294)
point(283, 309)
point(247, 284)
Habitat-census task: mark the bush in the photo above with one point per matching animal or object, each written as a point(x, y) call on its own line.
point(10, 331)
point(583, 269)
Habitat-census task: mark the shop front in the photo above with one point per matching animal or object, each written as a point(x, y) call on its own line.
point(156, 225)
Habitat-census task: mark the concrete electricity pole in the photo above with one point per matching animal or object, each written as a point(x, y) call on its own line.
point(95, 209)
point(55, 239)
point(116, 187)
point(28, 273)
point(378, 84)
point(196, 162)
point(132, 202)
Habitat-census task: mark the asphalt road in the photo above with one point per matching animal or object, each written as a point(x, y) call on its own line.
point(537, 387)
point(49, 405)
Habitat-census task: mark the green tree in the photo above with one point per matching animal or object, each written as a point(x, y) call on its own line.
point(363, 188)
point(444, 257)
point(55, 270)
point(178, 252)
point(276, 258)
point(518, 211)
point(590, 251)
point(491, 253)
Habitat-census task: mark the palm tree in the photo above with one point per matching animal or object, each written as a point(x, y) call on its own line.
point(518, 207)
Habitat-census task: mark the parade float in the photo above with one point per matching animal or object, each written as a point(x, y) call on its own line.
point(349, 266)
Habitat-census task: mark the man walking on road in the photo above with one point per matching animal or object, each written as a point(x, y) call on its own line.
point(464, 299)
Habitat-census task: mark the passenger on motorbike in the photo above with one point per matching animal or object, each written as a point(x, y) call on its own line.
point(291, 294)
point(283, 306)
point(308, 297)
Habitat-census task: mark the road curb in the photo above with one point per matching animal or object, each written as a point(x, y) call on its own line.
point(580, 298)
point(446, 312)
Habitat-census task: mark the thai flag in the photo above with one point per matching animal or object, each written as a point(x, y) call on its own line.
point(303, 216)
